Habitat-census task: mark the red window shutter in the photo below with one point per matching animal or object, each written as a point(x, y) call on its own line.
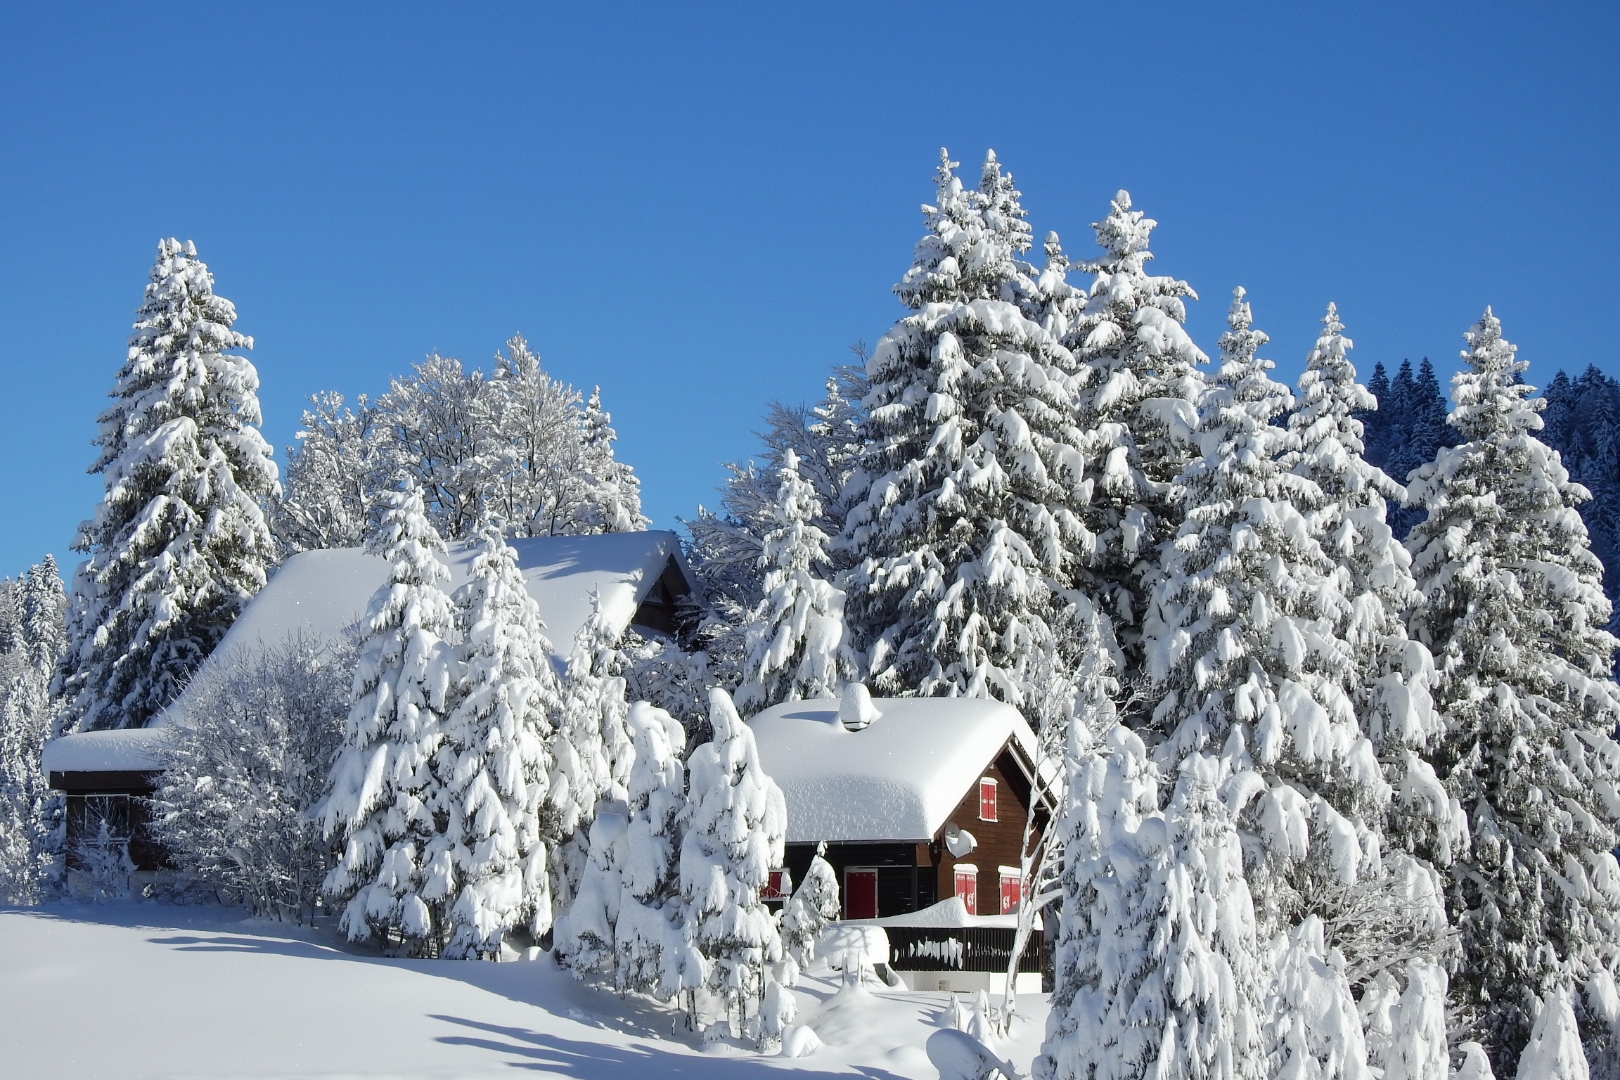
point(987, 799)
point(778, 888)
point(1012, 891)
point(967, 886)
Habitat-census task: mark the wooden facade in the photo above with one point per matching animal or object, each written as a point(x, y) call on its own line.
point(907, 877)
point(118, 801)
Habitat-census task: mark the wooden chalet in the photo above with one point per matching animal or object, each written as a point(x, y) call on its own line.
point(634, 579)
point(927, 802)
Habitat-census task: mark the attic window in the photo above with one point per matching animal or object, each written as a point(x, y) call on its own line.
point(987, 799)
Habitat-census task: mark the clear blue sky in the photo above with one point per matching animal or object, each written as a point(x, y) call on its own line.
point(700, 207)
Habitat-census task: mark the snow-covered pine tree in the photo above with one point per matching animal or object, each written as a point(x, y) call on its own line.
point(1242, 638)
point(1391, 674)
point(591, 751)
point(384, 789)
point(41, 609)
point(725, 551)
point(29, 812)
point(735, 825)
point(1137, 408)
point(1554, 1051)
point(180, 540)
point(1515, 616)
point(1314, 1027)
point(812, 906)
point(492, 761)
point(611, 499)
point(655, 953)
point(796, 646)
point(336, 477)
point(585, 940)
point(1111, 1000)
point(970, 473)
point(1583, 424)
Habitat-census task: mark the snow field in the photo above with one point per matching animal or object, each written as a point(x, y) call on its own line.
point(203, 992)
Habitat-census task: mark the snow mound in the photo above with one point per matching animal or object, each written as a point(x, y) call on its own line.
point(799, 1041)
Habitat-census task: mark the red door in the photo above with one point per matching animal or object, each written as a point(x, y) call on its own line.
point(860, 894)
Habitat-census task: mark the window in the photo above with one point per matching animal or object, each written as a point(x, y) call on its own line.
point(860, 894)
point(779, 887)
point(967, 886)
point(1012, 889)
point(987, 799)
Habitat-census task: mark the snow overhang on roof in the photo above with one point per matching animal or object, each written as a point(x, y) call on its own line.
point(897, 780)
point(129, 750)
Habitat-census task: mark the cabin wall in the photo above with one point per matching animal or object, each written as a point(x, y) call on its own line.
point(897, 866)
point(119, 799)
point(999, 841)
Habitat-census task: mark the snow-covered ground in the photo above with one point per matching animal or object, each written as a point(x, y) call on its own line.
point(152, 990)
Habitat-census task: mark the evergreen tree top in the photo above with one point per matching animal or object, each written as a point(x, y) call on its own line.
point(1491, 400)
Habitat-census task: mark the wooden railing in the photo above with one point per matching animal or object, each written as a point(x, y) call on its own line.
point(968, 948)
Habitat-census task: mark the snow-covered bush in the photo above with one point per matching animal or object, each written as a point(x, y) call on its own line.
point(244, 769)
point(812, 906)
point(179, 542)
point(735, 824)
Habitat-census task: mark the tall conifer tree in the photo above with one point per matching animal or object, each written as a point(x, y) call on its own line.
point(180, 541)
point(1515, 617)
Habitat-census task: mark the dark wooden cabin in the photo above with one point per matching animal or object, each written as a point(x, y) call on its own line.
point(929, 801)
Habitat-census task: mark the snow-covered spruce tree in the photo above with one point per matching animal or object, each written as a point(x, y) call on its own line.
point(591, 751)
point(1514, 614)
point(336, 477)
point(655, 954)
point(796, 646)
point(180, 541)
point(970, 475)
point(812, 906)
point(30, 814)
point(611, 496)
point(1554, 1051)
point(1392, 675)
point(725, 551)
point(1137, 407)
point(384, 789)
point(1312, 1018)
point(736, 820)
point(246, 768)
point(585, 940)
point(493, 762)
point(1242, 638)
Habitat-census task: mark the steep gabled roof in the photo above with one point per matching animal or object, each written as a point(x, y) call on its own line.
point(897, 780)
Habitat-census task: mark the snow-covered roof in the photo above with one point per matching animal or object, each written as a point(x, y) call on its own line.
point(897, 780)
point(323, 593)
point(131, 750)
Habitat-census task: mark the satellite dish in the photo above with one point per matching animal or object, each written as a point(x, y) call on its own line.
point(959, 842)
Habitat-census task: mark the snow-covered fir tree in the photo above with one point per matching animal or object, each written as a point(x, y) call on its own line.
point(726, 547)
point(31, 644)
point(796, 646)
point(384, 788)
point(611, 501)
point(1242, 640)
point(493, 761)
point(812, 906)
point(180, 541)
point(591, 751)
point(1582, 421)
point(585, 940)
point(1392, 675)
point(735, 825)
point(970, 476)
point(656, 955)
point(1315, 1029)
point(336, 477)
point(1515, 616)
point(1137, 407)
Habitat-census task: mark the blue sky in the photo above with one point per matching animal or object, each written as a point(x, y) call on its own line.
point(700, 207)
